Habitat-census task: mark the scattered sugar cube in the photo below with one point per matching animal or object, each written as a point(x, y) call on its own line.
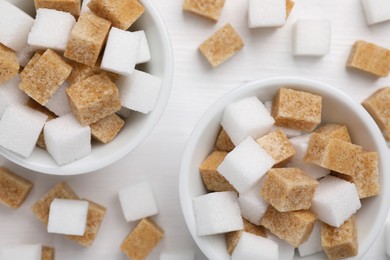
point(81, 72)
point(9, 65)
point(313, 243)
point(59, 103)
point(370, 58)
point(289, 7)
point(21, 252)
point(335, 131)
point(177, 255)
point(13, 188)
point(48, 253)
point(255, 247)
point(221, 46)
point(223, 143)
point(208, 9)
point(139, 91)
point(252, 205)
point(312, 37)
point(143, 50)
point(286, 251)
point(15, 26)
point(335, 200)
point(121, 13)
point(51, 30)
point(217, 212)
point(25, 55)
point(106, 129)
point(246, 117)
point(11, 94)
point(84, 7)
point(146, 231)
point(245, 165)
point(69, 6)
point(266, 13)
point(68, 217)
point(376, 11)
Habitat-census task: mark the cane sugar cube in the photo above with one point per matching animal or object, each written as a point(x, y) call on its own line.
point(58, 103)
point(252, 205)
point(371, 58)
point(313, 243)
point(312, 37)
point(139, 91)
point(41, 208)
point(11, 94)
point(51, 30)
point(286, 251)
point(69, 6)
point(21, 252)
point(106, 129)
point(93, 99)
point(217, 212)
point(208, 9)
point(15, 26)
point(296, 109)
point(378, 106)
point(185, 254)
point(289, 7)
point(266, 13)
point(376, 11)
point(95, 218)
point(335, 131)
point(30, 64)
point(48, 253)
point(246, 117)
point(143, 50)
point(13, 188)
point(121, 13)
point(84, 7)
point(335, 200)
point(221, 46)
point(142, 240)
point(255, 247)
point(120, 54)
point(87, 39)
point(245, 165)
point(340, 242)
point(9, 65)
point(25, 55)
point(294, 227)
point(81, 72)
point(68, 217)
point(223, 143)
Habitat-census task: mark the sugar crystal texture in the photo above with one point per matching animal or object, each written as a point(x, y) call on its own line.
point(9, 65)
point(14, 189)
point(143, 50)
point(376, 11)
point(106, 129)
point(11, 94)
point(313, 243)
point(286, 251)
point(266, 13)
point(69, 6)
point(252, 204)
point(59, 103)
point(208, 9)
point(312, 37)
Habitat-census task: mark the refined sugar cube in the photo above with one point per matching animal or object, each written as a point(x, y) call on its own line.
point(313, 243)
point(139, 91)
point(13, 188)
point(177, 255)
point(252, 204)
point(107, 128)
point(247, 117)
point(266, 13)
point(11, 94)
point(245, 165)
point(59, 103)
point(48, 253)
point(335, 200)
point(217, 212)
point(143, 50)
point(208, 9)
point(68, 217)
point(223, 142)
point(66, 140)
point(25, 55)
point(20, 127)
point(376, 11)
point(69, 6)
point(84, 7)
point(9, 65)
point(286, 251)
point(255, 247)
point(335, 131)
point(312, 37)
point(21, 252)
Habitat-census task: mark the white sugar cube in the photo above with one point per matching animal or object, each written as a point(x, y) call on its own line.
point(313, 243)
point(286, 251)
point(387, 237)
point(252, 204)
point(84, 7)
point(376, 11)
point(139, 91)
point(21, 252)
point(300, 145)
point(312, 37)
point(66, 140)
point(138, 201)
point(20, 127)
point(245, 165)
point(11, 94)
point(58, 103)
point(68, 217)
point(335, 200)
point(143, 51)
point(25, 55)
point(177, 255)
point(217, 212)
point(266, 13)
point(247, 117)
point(252, 247)
point(120, 55)
point(15, 26)
point(51, 29)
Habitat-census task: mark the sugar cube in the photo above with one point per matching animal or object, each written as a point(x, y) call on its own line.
point(376, 11)
point(25, 55)
point(11, 94)
point(335, 131)
point(69, 6)
point(21, 252)
point(266, 13)
point(84, 7)
point(48, 253)
point(13, 188)
point(286, 251)
point(58, 103)
point(252, 205)
point(253, 247)
point(289, 7)
point(107, 128)
point(312, 37)
point(81, 72)
point(217, 212)
point(30, 64)
point(208, 9)
point(313, 243)
point(9, 65)
point(177, 255)
point(143, 50)
point(224, 143)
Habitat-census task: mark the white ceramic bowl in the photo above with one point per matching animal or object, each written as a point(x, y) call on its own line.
point(137, 127)
point(337, 108)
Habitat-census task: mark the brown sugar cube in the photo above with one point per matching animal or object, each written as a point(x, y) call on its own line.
point(296, 109)
point(206, 8)
point(95, 218)
point(81, 72)
point(333, 154)
point(87, 39)
point(69, 6)
point(107, 128)
point(341, 242)
point(278, 146)
point(212, 179)
point(142, 240)
point(378, 105)
point(294, 227)
point(121, 13)
point(9, 65)
point(370, 58)
point(93, 99)
point(42, 206)
point(45, 77)
point(335, 131)
point(224, 143)
point(289, 6)
point(48, 253)
point(30, 64)
point(221, 46)
point(13, 188)
point(288, 189)
point(233, 237)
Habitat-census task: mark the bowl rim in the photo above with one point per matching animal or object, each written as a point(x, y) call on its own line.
point(186, 199)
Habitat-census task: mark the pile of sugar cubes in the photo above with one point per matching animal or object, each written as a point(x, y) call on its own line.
point(279, 180)
point(79, 75)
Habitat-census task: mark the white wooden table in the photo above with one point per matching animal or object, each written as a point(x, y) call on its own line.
point(267, 52)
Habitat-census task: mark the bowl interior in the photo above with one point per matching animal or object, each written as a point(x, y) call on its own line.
point(337, 108)
point(137, 126)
